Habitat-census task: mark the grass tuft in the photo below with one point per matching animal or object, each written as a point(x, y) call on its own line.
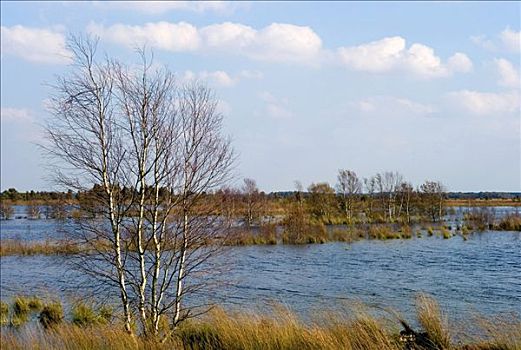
point(433, 321)
point(51, 315)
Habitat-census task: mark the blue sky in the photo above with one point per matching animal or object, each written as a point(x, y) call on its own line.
point(430, 90)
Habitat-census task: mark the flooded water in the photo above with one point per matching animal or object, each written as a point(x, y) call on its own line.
point(482, 274)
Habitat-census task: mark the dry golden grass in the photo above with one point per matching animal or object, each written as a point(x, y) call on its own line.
point(433, 321)
point(279, 329)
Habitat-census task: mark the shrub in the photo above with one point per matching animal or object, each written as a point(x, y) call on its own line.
point(298, 229)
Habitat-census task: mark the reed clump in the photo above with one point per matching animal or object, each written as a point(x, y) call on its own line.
point(20, 247)
point(307, 233)
point(382, 232)
point(51, 315)
point(406, 232)
point(445, 233)
point(266, 235)
point(22, 308)
point(511, 222)
point(349, 234)
point(84, 314)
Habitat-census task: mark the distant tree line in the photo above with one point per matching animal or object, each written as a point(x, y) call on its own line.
point(12, 194)
point(382, 198)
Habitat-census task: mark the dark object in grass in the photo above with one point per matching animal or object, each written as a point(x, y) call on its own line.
point(416, 340)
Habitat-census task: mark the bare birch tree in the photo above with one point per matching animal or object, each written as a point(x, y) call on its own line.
point(348, 187)
point(387, 184)
point(370, 187)
point(253, 200)
point(150, 149)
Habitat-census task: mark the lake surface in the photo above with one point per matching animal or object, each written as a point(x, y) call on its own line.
point(481, 274)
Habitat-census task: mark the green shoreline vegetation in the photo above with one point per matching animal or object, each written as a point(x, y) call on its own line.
point(346, 327)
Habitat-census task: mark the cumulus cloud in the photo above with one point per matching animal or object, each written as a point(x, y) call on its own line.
point(459, 62)
point(40, 45)
point(10, 114)
point(160, 7)
point(508, 40)
point(482, 103)
point(168, 36)
point(508, 74)
point(391, 53)
point(286, 42)
point(482, 41)
point(511, 39)
point(277, 42)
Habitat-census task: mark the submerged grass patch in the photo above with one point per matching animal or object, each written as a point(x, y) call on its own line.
point(20, 247)
point(511, 222)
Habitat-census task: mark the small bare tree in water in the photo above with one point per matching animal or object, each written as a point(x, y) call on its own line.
point(145, 150)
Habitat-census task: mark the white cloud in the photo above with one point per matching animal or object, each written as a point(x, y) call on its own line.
point(286, 42)
point(376, 56)
point(482, 103)
point(17, 115)
point(392, 105)
point(174, 37)
point(277, 42)
point(391, 53)
point(459, 62)
point(160, 7)
point(228, 36)
point(482, 41)
point(508, 40)
point(40, 45)
point(508, 74)
point(511, 39)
